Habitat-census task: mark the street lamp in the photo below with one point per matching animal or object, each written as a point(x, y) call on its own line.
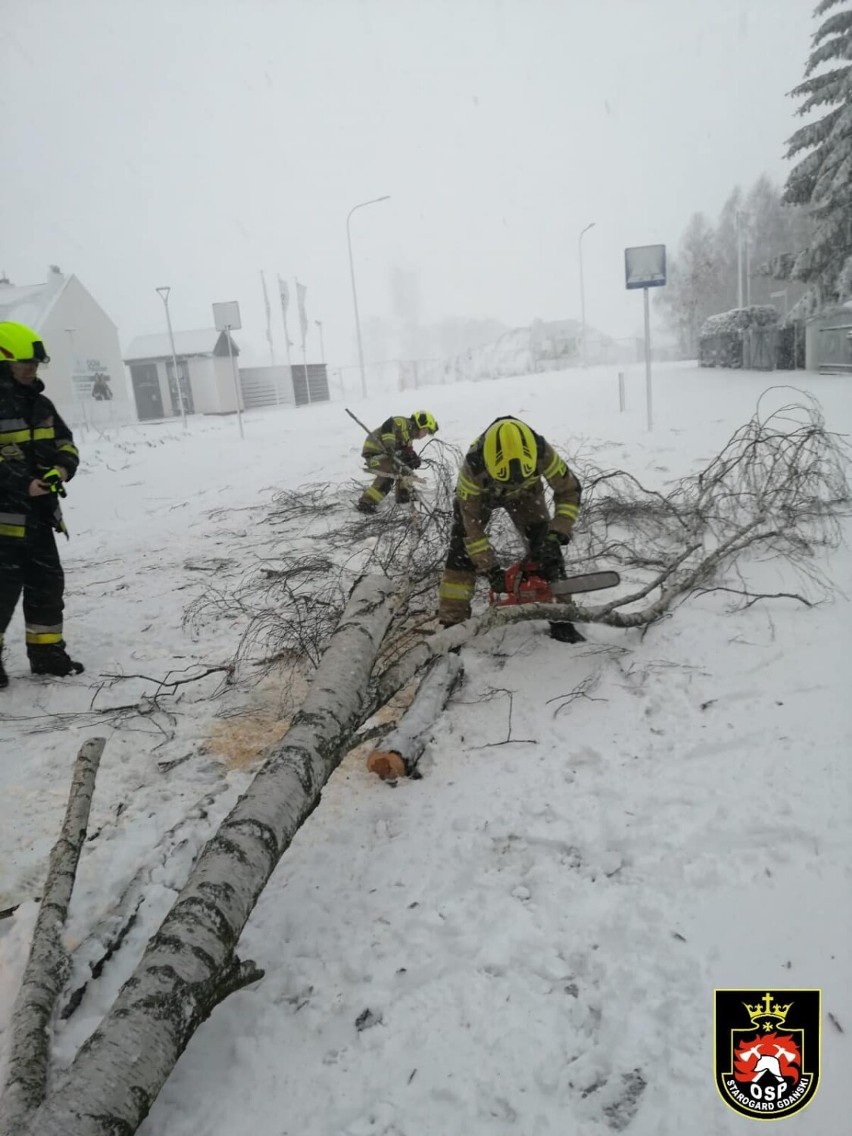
point(163, 293)
point(591, 225)
point(322, 345)
point(373, 201)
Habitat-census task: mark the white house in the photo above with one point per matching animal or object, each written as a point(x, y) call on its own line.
point(82, 342)
point(204, 366)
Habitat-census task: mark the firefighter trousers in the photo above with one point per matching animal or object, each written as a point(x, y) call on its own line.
point(30, 564)
point(458, 583)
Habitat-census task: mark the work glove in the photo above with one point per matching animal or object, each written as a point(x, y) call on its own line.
point(548, 555)
point(562, 537)
point(53, 479)
point(497, 579)
point(411, 458)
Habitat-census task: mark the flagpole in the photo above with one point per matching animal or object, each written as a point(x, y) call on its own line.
point(303, 323)
point(284, 301)
point(269, 336)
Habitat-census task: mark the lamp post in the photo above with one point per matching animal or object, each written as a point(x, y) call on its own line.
point(322, 345)
point(591, 225)
point(163, 293)
point(373, 201)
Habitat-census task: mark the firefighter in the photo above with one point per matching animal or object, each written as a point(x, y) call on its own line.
point(503, 469)
point(37, 456)
point(388, 451)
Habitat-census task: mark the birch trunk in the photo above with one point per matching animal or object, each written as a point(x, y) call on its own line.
point(407, 742)
point(49, 961)
point(190, 965)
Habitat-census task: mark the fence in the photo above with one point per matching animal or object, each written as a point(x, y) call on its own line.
point(283, 386)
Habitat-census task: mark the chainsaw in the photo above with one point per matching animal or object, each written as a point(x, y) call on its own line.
point(525, 586)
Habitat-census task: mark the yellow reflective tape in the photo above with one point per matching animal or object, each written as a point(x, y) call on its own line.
point(476, 546)
point(557, 466)
point(570, 511)
point(68, 448)
point(374, 494)
point(14, 436)
point(43, 432)
point(455, 591)
point(34, 637)
point(12, 530)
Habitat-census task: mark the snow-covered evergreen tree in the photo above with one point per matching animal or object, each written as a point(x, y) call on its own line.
point(822, 178)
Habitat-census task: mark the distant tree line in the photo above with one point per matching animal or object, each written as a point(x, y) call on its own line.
point(703, 273)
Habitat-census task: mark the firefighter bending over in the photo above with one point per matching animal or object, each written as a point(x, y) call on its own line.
point(503, 469)
point(37, 456)
point(389, 453)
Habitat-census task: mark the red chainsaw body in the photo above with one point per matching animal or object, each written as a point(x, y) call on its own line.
point(523, 586)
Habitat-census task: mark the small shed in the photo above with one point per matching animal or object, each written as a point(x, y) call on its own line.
point(204, 371)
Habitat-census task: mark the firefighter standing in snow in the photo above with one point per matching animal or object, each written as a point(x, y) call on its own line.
point(503, 469)
point(37, 455)
point(388, 451)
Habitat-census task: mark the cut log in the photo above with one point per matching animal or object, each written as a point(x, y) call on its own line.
point(191, 965)
point(49, 962)
point(402, 748)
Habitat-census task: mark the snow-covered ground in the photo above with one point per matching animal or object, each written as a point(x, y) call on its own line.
point(537, 925)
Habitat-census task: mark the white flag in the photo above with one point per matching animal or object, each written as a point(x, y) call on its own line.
point(301, 289)
point(284, 293)
point(268, 315)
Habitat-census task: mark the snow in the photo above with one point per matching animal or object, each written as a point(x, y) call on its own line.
point(537, 926)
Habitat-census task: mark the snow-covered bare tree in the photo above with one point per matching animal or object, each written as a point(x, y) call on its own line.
point(693, 284)
point(822, 177)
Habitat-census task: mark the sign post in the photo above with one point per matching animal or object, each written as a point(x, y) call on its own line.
point(645, 267)
point(226, 317)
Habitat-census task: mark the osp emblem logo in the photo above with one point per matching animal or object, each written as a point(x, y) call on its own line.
point(767, 1050)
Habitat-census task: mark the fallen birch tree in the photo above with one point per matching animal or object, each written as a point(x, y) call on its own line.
point(49, 962)
point(190, 965)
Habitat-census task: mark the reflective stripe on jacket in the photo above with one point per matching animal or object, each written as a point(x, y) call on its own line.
point(393, 435)
point(33, 439)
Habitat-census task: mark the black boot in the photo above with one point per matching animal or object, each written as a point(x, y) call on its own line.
point(566, 633)
point(52, 659)
point(4, 678)
point(366, 507)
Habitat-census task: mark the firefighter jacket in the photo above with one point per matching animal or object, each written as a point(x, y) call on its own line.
point(33, 439)
point(478, 494)
point(389, 441)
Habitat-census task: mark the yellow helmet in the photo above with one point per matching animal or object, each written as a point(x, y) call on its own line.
point(423, 420)
point(19, 344)
point(509, 450)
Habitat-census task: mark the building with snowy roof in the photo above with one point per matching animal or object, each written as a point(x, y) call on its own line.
point(83, 345)
point(204, 370)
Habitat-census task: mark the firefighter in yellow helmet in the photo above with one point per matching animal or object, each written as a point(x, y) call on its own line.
point(505, 468)
point(388, 452)
point(37, 457)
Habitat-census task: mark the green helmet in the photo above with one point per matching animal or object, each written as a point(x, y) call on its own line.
point(423, 420)
point(20, 344)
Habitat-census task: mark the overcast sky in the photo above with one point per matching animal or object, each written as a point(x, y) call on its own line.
point(195, 142)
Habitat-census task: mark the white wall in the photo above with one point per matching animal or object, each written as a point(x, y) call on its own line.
point(80, 339)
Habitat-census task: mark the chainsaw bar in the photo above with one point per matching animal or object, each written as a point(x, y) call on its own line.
point(590, 582)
